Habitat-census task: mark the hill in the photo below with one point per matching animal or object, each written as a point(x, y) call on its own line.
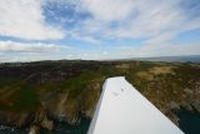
point(39, 94)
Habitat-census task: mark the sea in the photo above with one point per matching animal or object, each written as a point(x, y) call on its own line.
point(189, 123)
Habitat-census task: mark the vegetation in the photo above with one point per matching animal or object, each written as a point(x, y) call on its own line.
point(70, 89)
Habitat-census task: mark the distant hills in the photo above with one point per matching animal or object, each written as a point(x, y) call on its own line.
point(182, 59)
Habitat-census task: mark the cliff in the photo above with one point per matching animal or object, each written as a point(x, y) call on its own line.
point(35, 95)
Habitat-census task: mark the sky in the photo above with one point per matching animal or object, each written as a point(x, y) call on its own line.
point(32, 30)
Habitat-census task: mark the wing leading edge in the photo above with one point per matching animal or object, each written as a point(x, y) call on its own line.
point(121, 109)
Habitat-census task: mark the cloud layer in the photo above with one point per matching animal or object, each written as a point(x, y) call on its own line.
point(124, 28)
point(24, 19)
point(10, 46)
point(119, 19)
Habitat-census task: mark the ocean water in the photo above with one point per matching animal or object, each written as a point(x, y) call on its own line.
point(64, 128)
point(9, 130)
point(60, 128)
point(189, 121)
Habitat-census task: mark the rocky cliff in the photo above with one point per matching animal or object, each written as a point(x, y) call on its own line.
point(35, 95)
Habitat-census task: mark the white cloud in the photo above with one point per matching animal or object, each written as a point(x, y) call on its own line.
point(84, 38)
point(137, 18)
point(170, 49)
point(11, 46)
point(109, 10)
point(11, 51)
point(131, 19)
point(24, 19)
point(156, 50)
point(155, 22)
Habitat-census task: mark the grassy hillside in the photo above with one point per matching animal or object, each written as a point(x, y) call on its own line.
point(36, 94)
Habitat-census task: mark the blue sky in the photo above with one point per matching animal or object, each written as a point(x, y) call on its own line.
point(97, 29)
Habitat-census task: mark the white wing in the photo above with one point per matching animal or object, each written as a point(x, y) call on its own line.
point(121, 109)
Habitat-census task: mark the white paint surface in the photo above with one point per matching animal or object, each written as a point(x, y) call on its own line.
point(123, 110)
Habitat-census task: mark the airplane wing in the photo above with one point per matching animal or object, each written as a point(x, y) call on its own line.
point(121, 109)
